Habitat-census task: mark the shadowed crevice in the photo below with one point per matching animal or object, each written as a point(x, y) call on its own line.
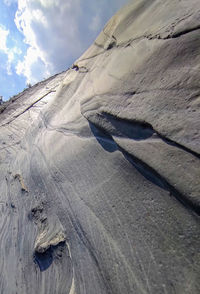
point(139, 130)
point(184, 32)
point(46, 258)
point(150, 174)
point(147, 171)
point(133, 130)
point(103, 138)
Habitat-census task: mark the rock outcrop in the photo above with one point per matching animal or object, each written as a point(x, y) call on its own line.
point(100, 165)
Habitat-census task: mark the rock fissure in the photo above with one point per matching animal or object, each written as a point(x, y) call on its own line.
point(159, 180)
point(144, 131)
point(27, 108)
point(139, 125)
point(181, 33)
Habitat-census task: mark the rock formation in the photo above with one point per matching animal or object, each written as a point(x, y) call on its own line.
point(100, 165)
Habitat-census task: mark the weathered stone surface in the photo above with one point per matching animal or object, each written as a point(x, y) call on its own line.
point(100, 170)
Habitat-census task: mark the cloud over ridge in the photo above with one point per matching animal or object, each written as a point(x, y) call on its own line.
point(58, 31)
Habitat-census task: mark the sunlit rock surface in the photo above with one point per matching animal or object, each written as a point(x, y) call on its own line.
point(100, 169)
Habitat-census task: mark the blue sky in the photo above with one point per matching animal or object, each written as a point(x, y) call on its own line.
point(39, 38)
point(12, 49)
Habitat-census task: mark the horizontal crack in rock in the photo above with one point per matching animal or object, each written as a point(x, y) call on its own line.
point(141, 131)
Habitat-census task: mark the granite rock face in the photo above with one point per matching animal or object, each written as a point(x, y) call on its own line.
point(100, 165)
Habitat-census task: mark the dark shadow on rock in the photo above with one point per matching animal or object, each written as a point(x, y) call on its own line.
point(137, 130)
point(104, 139)
point(149, 173)
point(155, 178)
point(130, 129)
point(146, 171)
point(45, 259)
point(107, 142)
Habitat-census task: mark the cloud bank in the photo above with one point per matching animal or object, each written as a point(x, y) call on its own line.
point(3, 37)
point(58, 31)
point(11, 53)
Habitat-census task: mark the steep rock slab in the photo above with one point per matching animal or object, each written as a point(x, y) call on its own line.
point(100, 165)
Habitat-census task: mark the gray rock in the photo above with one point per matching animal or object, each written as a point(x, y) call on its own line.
point(100, 173)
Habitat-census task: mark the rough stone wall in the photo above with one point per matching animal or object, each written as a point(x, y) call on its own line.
point(100, 170)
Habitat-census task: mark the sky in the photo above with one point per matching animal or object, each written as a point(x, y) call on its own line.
point(39, 38)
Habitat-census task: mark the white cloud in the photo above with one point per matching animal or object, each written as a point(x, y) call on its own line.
point(58, 31)
point(10, 52)
point(3, 38)
point(33, 67)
